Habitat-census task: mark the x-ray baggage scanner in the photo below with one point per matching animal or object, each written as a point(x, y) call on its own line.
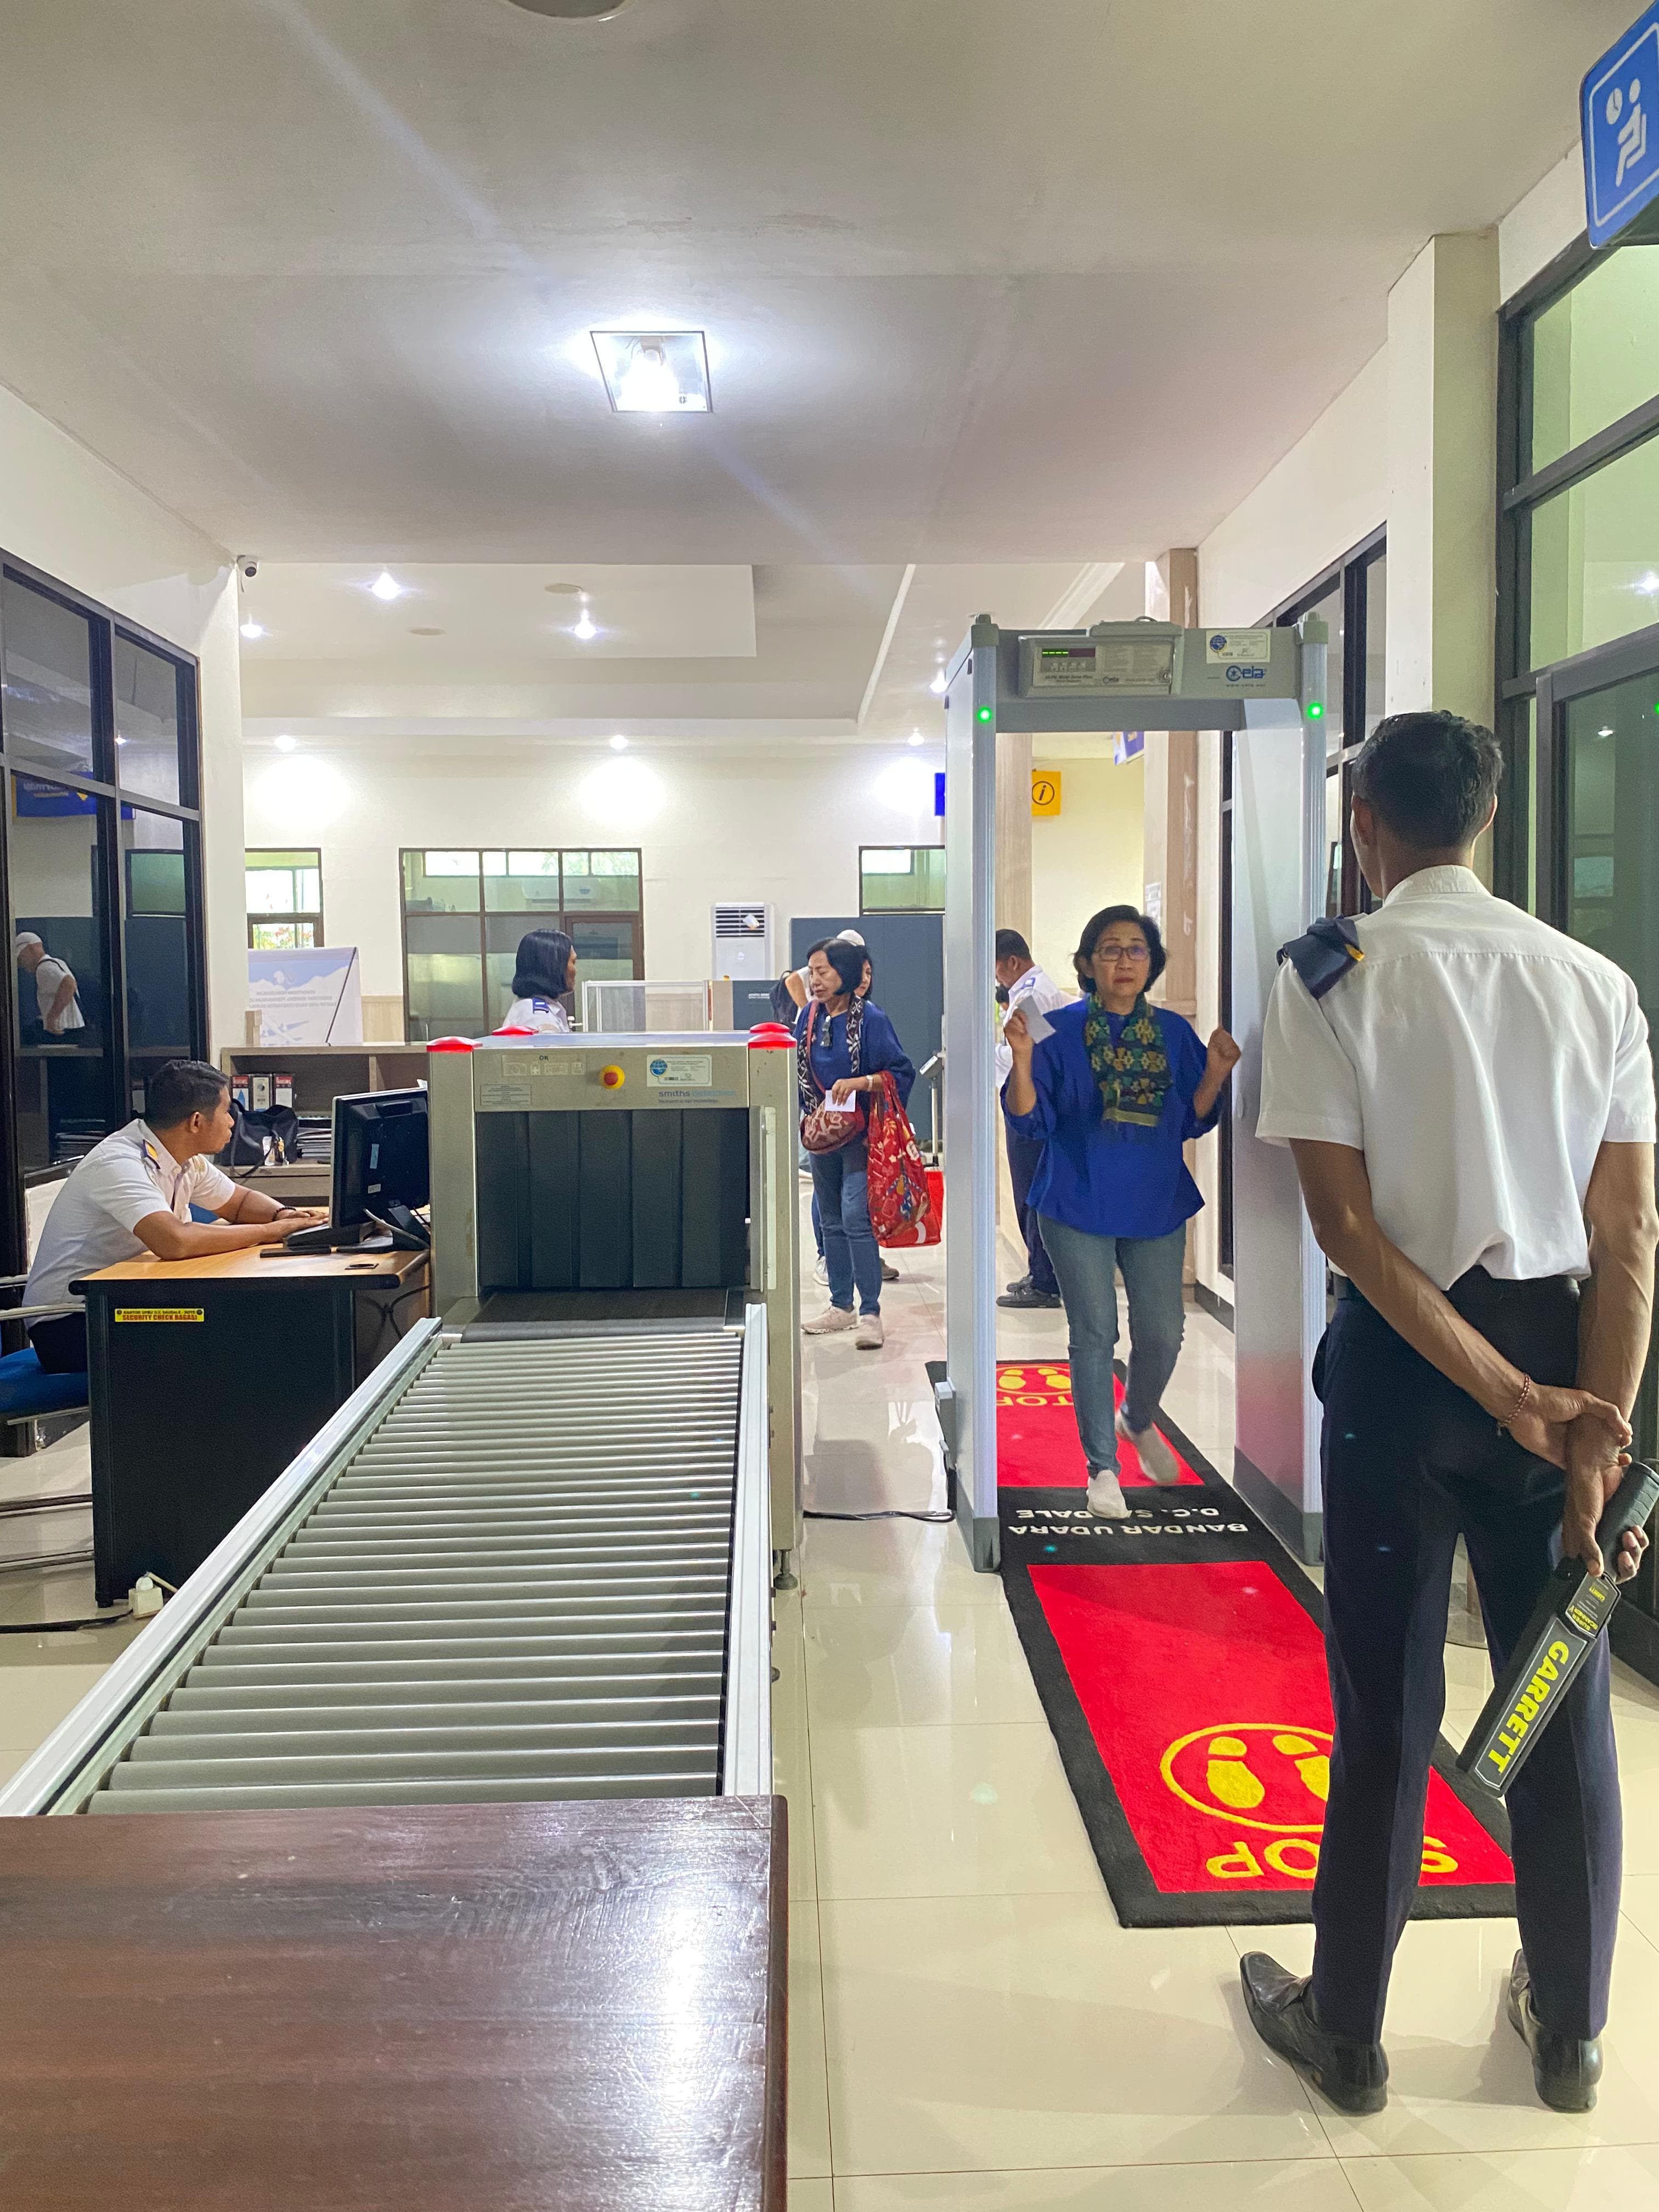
point(1268, 686)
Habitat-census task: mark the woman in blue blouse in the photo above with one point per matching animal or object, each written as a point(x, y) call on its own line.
point(1114, 1093)
point(852, 1044)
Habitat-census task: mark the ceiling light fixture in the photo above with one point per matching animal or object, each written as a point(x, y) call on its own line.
point(619, 745)
point(386, 587)
point(654, 372)
point(286, 744)
point(917, 738)
point(251, 628)
point(938, 684)
point(1649, 584)
point(585, 629)
point(1604, 733)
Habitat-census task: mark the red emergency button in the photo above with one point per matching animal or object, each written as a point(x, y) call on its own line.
point(612, 1078)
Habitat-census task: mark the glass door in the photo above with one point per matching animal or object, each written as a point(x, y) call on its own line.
point(1598, 853)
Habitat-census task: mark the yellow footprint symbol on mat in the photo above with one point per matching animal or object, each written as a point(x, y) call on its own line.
point(1230, 1780)
point(1313, 1766)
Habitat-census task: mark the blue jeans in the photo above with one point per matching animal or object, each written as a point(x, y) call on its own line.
point(840, 1186)
point(1086, 1265)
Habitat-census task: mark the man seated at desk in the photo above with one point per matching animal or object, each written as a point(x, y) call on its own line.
point(132, 1193)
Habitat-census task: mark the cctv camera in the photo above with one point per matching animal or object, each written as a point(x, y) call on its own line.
point(248, 565)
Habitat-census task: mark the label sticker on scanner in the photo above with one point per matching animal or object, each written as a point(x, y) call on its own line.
point(680, 1071)
point(161, 1313)
point(1236, 645)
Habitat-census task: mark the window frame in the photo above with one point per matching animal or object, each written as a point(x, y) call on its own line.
point(297, 915)
point(889, 846)
point(1522, 860)
point(112, 801)
point(567, 919)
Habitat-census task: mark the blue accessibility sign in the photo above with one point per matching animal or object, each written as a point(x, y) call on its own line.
point(1619, 104)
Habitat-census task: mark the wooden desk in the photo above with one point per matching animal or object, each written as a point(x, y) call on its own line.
point(579, 2007)
point(208, 1376)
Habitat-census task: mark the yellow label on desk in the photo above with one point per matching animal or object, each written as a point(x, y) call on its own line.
point(160, 1313)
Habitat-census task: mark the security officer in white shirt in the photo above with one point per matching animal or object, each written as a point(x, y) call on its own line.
point(1025, 985)
point(1469, 1098)
point(132, 1194)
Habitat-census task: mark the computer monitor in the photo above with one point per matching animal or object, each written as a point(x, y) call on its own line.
point(380, 1155)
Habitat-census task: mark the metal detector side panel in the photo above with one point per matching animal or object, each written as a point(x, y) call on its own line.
point(971, 1112)
point(1279, 1271)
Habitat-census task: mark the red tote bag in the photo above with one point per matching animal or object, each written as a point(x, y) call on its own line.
point(905, 1196)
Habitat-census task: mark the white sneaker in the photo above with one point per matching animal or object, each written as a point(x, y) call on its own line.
point(1106, 1497)
point(821, 1270)
point(1158, 1462)
point(831, 1322)
point(870, 1336)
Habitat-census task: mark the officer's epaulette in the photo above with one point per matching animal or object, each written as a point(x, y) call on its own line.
point(1329, 951)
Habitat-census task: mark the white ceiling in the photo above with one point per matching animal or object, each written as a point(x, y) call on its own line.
point(988, 284)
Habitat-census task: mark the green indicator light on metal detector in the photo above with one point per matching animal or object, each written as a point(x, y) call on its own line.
point(984, 714)
point(1316, 711)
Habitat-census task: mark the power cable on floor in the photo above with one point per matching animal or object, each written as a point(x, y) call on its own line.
point(56, 1627)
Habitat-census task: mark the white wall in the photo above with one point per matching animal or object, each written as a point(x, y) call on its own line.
point(1087, 856)
point(64, 511)
point(1329, 491)
point(712, 824)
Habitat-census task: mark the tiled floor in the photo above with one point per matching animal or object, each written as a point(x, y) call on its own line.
point(971, 2026)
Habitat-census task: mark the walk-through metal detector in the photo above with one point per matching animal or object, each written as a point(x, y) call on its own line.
point(1268, 686)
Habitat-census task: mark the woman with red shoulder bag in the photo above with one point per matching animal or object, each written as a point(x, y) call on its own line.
point(844, 1045)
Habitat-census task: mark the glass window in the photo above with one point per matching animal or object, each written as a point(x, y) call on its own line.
point(901, 878)
point(47, 665)
point(284, 899)
point(64, 1093)
point(603, 883)
point(440, 882)
point(1595, 557)
point(1330, 607)
point(1594, 354)
point(605, 950)
point(146, 721)
point(157, 942)
point(1612, 777)
point(522, 883)
point(1376, 642)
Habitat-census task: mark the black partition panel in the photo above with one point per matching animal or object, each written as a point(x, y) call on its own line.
point(613, 1200)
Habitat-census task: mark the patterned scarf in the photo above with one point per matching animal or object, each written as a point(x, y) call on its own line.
point(807, 1085)
point(1132, 1073)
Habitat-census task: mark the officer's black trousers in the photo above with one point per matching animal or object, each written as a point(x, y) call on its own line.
point(1409, 1462)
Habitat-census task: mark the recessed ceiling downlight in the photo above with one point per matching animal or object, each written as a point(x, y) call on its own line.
point(581, 11)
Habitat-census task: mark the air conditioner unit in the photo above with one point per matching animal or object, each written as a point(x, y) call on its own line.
point(742, 942)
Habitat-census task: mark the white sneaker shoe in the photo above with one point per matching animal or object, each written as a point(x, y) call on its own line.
point(831, 1322)
point(870, 1336)
point(1106, 1497)
point(821, 1270)
point(1158, 1462)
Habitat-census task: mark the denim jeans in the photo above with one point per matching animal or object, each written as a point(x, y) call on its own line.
point(840, 1186)
point(1086, 1265)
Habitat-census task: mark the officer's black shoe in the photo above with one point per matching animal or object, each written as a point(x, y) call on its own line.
point(1565, 2067)
point(1027, 1294)
point(1353, 2076)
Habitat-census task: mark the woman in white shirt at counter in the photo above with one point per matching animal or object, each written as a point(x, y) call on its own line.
point(545, 975)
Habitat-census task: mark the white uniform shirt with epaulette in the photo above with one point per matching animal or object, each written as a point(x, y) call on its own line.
point(1480, 1059)
point(128, 1177)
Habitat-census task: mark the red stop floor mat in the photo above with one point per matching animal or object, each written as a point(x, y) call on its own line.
point(1181, 1664)
point(1037, 1443)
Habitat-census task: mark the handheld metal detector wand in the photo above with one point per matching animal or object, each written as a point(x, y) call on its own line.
point(1573, 1611)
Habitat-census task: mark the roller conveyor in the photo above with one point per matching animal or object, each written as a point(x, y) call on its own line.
point(534, 1568)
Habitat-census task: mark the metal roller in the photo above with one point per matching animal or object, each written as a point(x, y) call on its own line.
point(530, 1570)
